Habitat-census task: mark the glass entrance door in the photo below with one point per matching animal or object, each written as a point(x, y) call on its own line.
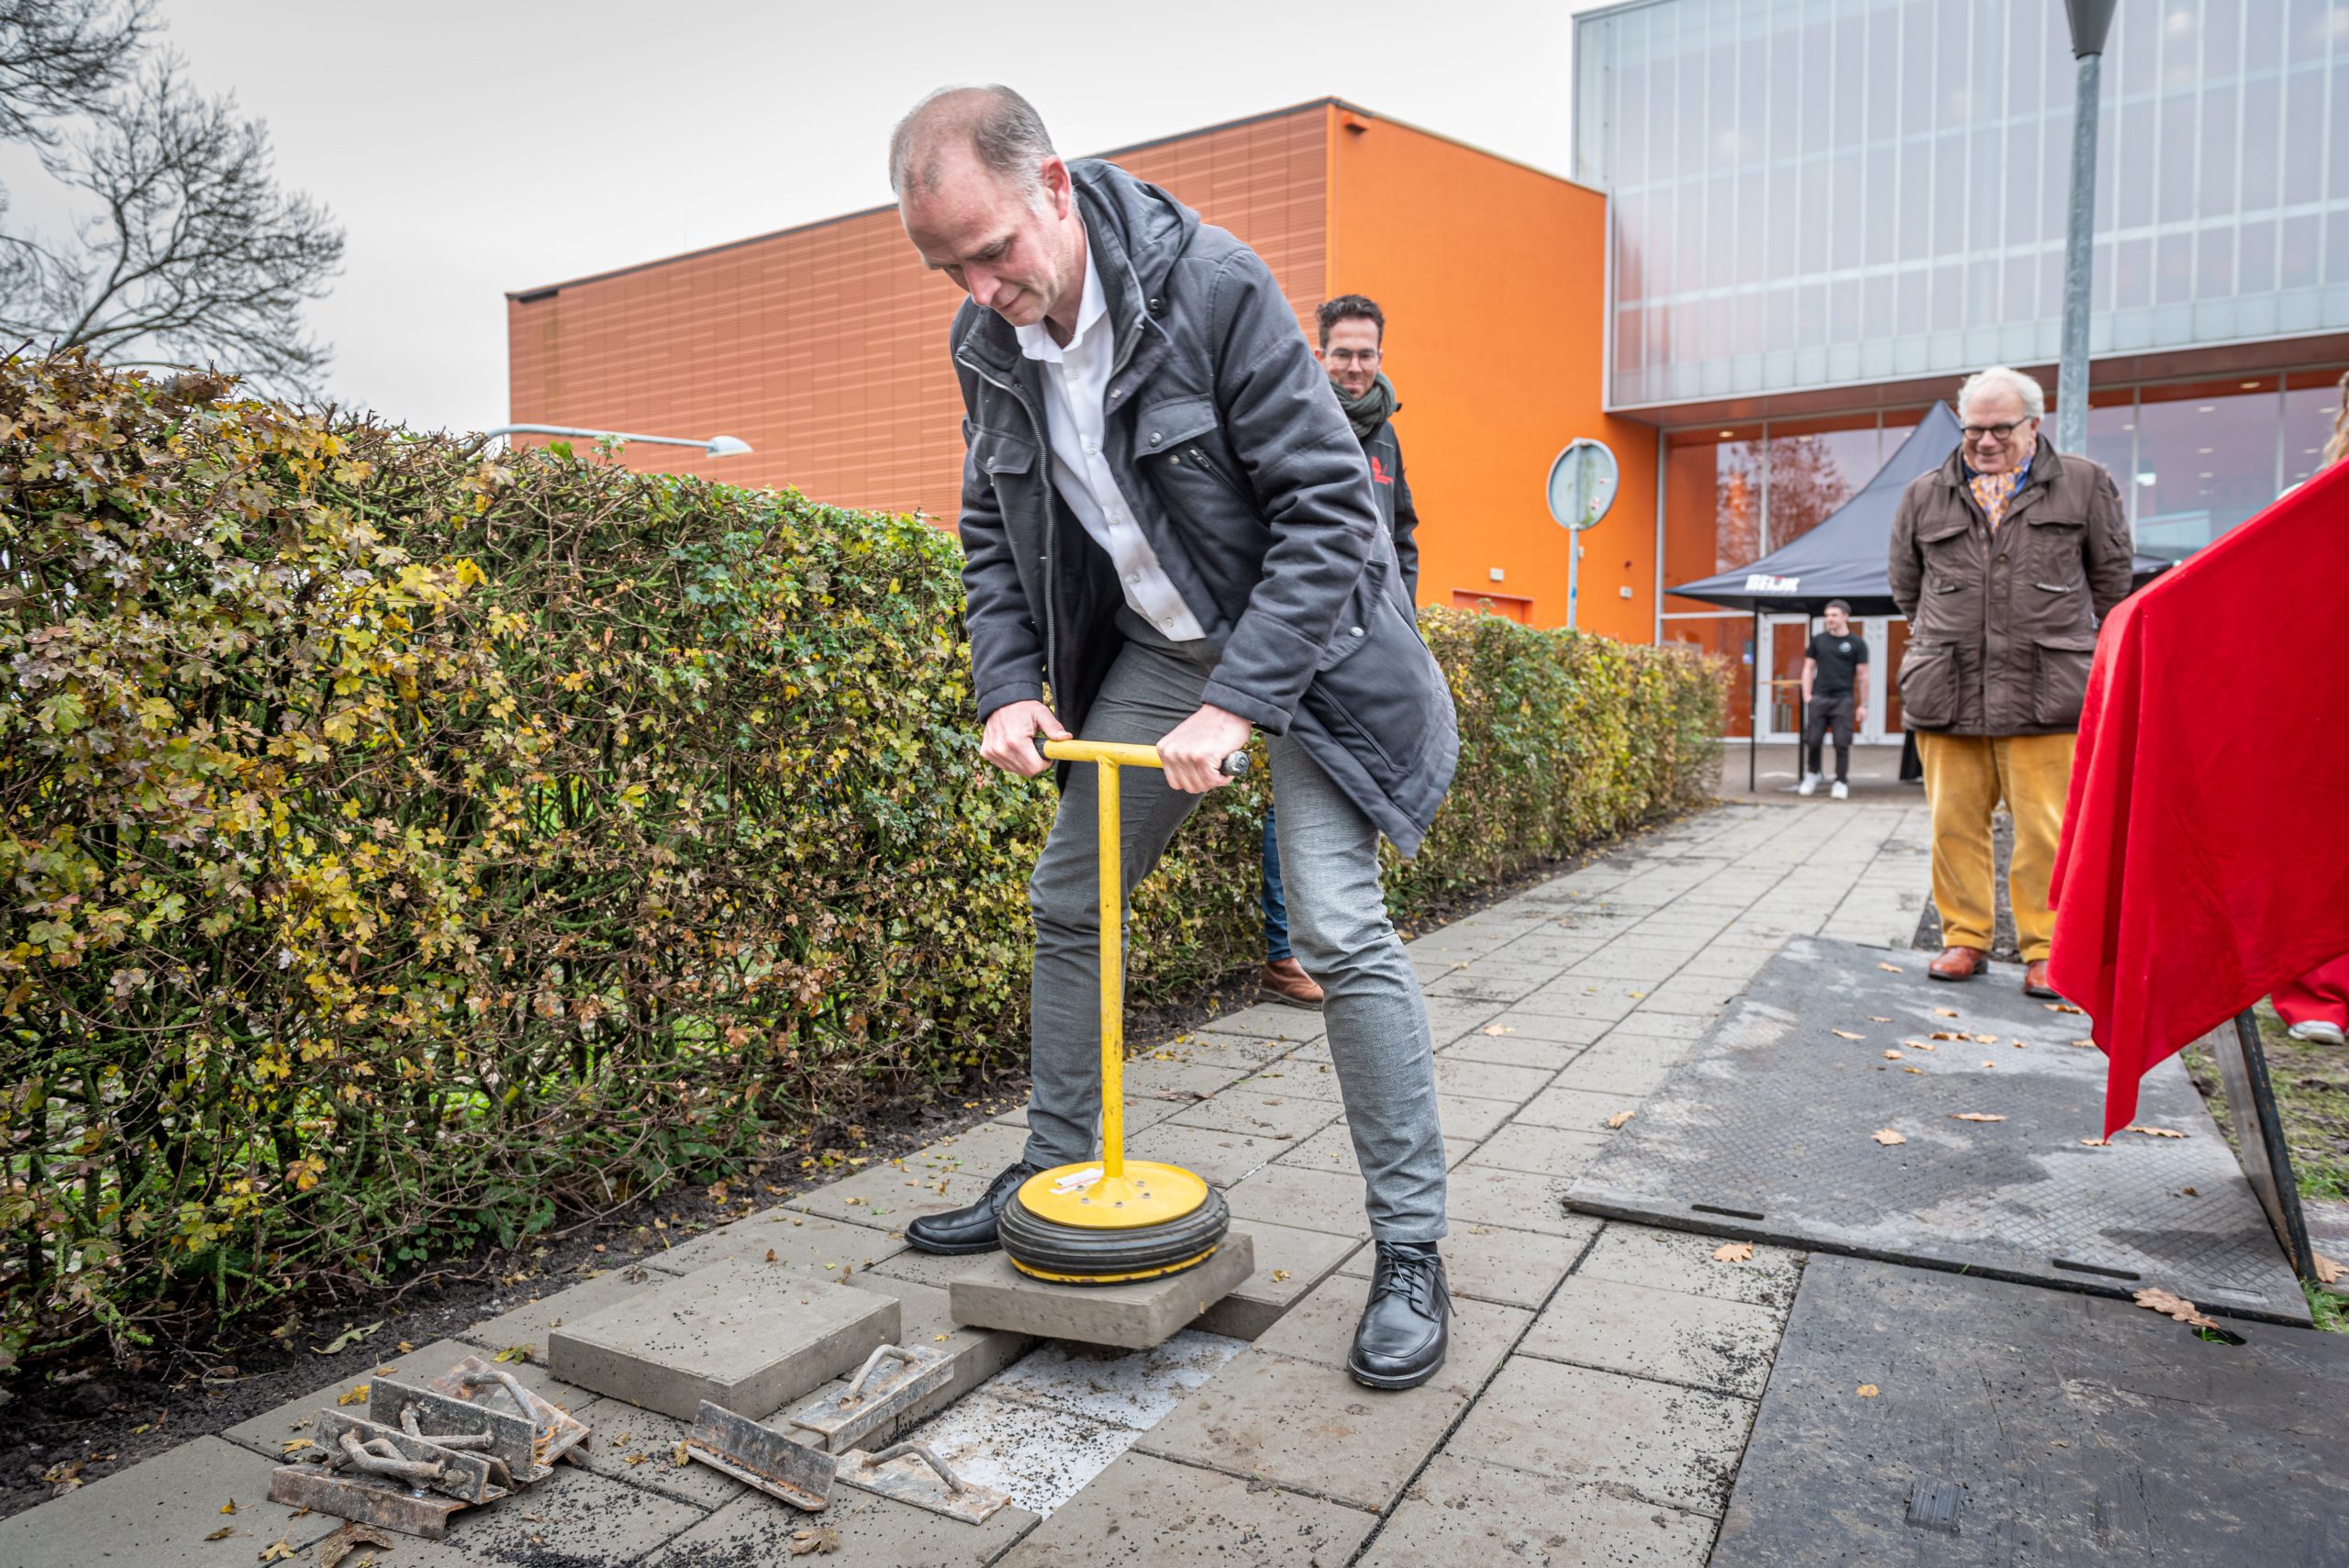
point(1783, 638)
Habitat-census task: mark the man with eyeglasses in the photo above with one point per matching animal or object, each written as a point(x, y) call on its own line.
point(2005, 559)
point(1353, 341)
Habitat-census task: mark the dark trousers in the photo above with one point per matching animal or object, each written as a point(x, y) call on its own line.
point(1823, 713)
point(1276, 946)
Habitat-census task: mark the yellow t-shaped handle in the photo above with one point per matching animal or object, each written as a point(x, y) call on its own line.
point(1107, 757)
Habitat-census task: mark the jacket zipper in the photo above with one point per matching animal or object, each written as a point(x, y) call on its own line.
point(1043, 450)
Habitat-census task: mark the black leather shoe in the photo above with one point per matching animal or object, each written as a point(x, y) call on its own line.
point(1404, 1327)
point(971, 1229)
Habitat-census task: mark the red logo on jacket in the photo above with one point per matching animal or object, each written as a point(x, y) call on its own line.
point(1378, 471)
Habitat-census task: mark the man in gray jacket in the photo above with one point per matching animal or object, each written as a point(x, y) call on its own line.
point(1168, 529)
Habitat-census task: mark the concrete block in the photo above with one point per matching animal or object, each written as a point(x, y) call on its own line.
point(1146, 1077)
point(1549, 1027)
point(1508, 1049)
point(983, 1151)
point(1289, 1262)
point(1143, 1509)
point(1298, 1075)
point(1469, 1119)
point(1600, 1071)
point(529, 1322)
point(1578, 999)
point(159, 1511)
point(1138, 1314)
point(1270, 1110)
point(1462, 1514)
point(1270, 1020)
point(1321, 1329)
point(1660, 1444)
point(1303, 1425)
point(1225, 1048)
point(1725, 1346)
point(1485, 1262)
point(1332, 1148)
point(1514, 1200)
point(874, 1532)
point(1218, 1156)
point(1544, 1151)
point(749, 1337)
point(891, 1195)
point(1574, 1109)
point(1488, 1080)
point(811, 1243)
point(1682, 1261)
point(1311, 1200)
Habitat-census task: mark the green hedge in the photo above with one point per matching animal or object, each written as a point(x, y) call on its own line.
point(405, 845)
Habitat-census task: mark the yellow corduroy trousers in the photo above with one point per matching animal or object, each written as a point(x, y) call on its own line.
point(1965, 777)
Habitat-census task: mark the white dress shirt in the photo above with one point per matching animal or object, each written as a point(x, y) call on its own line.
point(1076, 385)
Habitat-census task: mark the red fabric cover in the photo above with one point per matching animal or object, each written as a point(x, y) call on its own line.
point(2205, 855)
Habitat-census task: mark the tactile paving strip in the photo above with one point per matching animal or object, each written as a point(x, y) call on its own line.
point(1767, 1130)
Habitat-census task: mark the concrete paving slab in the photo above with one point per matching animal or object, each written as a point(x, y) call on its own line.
point(1145, 1078)
point(1549, 1027)
point(1487, 1262)
point(1462, 1514)
point(1662, 1026)
point(982, 1151)
point(1272, 1020)
point(1226, 1048)
point(1614, 1073)
point(528, 1323)
point(1270, 1109)
point(1332, 1148)
point(1140, 1110)
point(1133, 1389)
point(1702, 1341)
point(1663, 1444)
point(574, 1518)
point(1501, 1045)
point(1468, 1120)
point(1449, 1018)
point(159, 1511)
point(1137, 1315)
point(1146, 1510)
point(1312, 1200)
point(1578, 999)
point(1300, 1074)
point(1678, 1259)
point(1574, 1109)
point(1320, 1329)
point(1040, 1456)
point(798, 1241)
point(1308, 1426)
point(1494, 985)
point(749, 1337)
point(1488, 1080)
point(639, 1447)
point(1289, 1262)
point(890, 1195)
point(755, 1531)
point(927, 1320)
point(1218, 1156)
point(1517, 1200)
point(1543, 1150)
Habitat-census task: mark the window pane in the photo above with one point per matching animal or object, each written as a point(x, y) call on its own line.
point(1814, 472)
point(2309, 416)
point(2211, 455)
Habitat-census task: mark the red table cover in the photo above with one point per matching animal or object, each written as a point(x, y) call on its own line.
point(2205, 854)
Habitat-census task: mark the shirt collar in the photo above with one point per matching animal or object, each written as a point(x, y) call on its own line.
point(1036, 341)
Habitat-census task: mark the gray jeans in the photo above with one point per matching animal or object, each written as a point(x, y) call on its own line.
point(1376, 1017)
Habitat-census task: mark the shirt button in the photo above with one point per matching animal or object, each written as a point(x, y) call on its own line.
point(1356, 632)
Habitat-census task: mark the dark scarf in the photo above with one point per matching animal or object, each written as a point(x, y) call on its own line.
point(1371, 409)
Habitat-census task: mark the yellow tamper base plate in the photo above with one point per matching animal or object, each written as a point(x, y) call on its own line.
point(1148, 1194)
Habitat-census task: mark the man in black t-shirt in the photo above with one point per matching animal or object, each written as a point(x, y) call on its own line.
point(1834, 693)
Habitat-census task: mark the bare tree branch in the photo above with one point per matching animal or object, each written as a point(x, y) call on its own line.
point(60, 57)
point(191, 252)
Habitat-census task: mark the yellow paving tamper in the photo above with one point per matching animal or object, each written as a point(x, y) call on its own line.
point(1118, 1220)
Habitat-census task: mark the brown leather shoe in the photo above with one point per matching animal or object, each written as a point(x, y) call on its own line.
point(2035, 981)
point(1958, 963)
point(1284, 981)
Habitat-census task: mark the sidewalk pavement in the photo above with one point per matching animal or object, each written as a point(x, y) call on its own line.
point(1603, 1376)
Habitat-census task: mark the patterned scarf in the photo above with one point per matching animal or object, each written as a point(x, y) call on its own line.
point(1993, 491)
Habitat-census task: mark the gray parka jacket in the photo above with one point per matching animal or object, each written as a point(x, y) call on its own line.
point(1245, 477)
point(2002, 623)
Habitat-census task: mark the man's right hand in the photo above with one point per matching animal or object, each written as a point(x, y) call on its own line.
point(1009, 741)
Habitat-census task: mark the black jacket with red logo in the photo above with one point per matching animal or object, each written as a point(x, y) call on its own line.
point(1392, 494)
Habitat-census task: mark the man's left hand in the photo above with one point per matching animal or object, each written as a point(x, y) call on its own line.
point(1193, 750)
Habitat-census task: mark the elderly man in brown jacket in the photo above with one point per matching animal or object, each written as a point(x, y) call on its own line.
point(2004, 560)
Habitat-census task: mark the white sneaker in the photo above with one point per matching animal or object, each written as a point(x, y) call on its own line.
point(1841, 790)
point(2320, 1032)
point(1809, 785)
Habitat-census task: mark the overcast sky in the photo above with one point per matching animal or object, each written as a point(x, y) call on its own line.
point(473, 147)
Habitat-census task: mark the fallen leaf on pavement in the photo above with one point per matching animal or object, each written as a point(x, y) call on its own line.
point(1892, 1056)
point(293, 1445)
point(2173, 1306)
point(2328, 1272)
point(2089, 1043)
point(1913, 1070)
point(1976, 1115)
point(823, 1539)
point(223, 1533)
point(1987, 1038)
point(1867, 1390)
point(1989, 1064)
point(277, 1551)
point(1734, 1252)
point(2091, 1142)
point(1892, 969)
point(1846, 1034)
point(1498, 1028)
point(229, 1506)
point(1945, 1034)
point(633, 1460)
point(1919, 1045)
point(770, 1257)
point(512, 1353)
point(1620, 1117)
point(355, 1395)
point(347, 1539)
point(2154, 1131)
point(1946, 1012)
point(1279, 1275)
point(1887, 1137)
point(2062, 1007)
point(677, 1455)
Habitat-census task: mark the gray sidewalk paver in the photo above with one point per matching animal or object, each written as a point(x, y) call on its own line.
point(574, 1517)
point(159, 1511)
point(1491, 1263)
point(816, 1243)
point(1501, 1045)
point(1518, 1200)
point(1290, 1262)
point(1660, 1442)
point(1262, 1107)
point(1309, 1200)
point(528, 1323)
point(872, 1531)
point(1684, 1261)
point(1543, 1150)
point(1464, 1514)
point(1488, 1080)
point(1549, 1026)
point(1575, 1108)
point(1145, 1509)
point(889, 1195)
point(1469, 1119)
point(1321, 1330)
point(1217, 1157)
point(1702, 1341)
point(1332, 1148)
point(1600, 1071)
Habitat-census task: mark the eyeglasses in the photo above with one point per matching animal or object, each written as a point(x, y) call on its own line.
point(1996, 433)
point(1351, 356)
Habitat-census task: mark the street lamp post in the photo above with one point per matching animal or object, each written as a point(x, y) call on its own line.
point(2091, 21)
point(714, 446)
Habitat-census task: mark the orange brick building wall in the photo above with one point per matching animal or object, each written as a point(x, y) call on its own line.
point(824, 346)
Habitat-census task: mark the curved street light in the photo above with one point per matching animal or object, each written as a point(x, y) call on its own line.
point(714, 446)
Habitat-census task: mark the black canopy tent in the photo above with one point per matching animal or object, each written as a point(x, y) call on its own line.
point(1847, 556)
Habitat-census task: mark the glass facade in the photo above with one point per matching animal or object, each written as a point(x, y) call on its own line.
point(1823, 192)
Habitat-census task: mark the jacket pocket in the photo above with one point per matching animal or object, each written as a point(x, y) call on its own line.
point(1373, 687)
point(1928, 685)
point(2060, 685)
